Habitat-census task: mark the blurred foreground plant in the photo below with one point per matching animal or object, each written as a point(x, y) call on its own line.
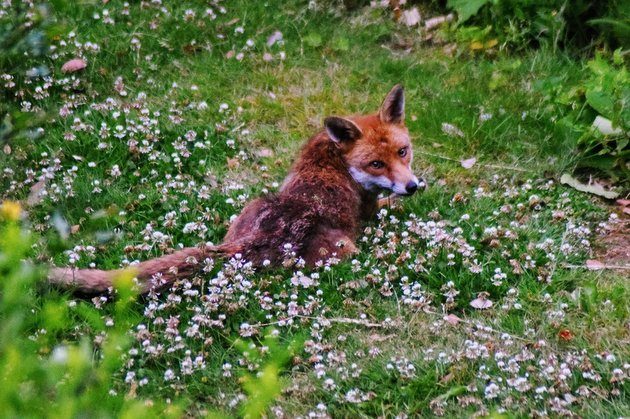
point(74, 378)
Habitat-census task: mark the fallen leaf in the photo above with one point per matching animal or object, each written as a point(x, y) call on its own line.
point(452, 130)
point(594, 189)
point(468, 163)
point(594, 265)
point(623, 202)
point(73, 65)
point(448, 377)
point(604, 126)
point(452, 319)
point(273, 38)
point(565, 334)
point(481, 302)
point(491, 43)
point(232, 163)
point(75, 229)
point(264, 152)
point(476, 46)
point(437, 21)
point(411, 17)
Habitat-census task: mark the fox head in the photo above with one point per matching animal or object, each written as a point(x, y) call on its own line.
point(376, 148)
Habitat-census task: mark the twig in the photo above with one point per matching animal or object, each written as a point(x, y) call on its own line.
point(492, 166)
point(599, 267)
point(346, 320)
point(341, 320)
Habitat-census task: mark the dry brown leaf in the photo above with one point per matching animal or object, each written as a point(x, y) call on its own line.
point(232, 163)
point(565, 334)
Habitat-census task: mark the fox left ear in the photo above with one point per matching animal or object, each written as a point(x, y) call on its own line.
point(341, 129)
point(393, 108)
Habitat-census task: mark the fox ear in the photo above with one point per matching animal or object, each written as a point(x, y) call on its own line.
point(341, 130)
point(393, 108)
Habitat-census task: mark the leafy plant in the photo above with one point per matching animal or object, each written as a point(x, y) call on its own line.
point(264, 388)
point(70, 378)
point(597, 115)
point(522, 23)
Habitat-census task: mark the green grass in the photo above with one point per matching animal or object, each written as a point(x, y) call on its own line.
point(276, 105)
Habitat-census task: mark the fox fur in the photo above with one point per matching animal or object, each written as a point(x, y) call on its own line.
point(330, 191)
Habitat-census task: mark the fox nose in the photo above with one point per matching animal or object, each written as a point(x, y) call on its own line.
point(411, 187)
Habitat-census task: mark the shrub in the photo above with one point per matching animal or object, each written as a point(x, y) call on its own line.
point(595, 115)
point(524, 23)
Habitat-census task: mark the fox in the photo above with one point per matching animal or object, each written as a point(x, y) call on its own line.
point(330, 191)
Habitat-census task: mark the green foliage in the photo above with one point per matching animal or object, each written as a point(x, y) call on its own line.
point(603, 93)
point(265, 387)
point(43, 376)
point(25, 32)
point(466, 8)
point(523, 23)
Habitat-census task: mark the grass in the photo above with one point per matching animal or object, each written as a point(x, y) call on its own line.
point(334, 64)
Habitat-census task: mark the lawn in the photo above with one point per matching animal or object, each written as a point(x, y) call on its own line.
point(470, 298)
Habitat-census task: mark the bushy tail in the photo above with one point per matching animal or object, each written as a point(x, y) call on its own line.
point(152, 274)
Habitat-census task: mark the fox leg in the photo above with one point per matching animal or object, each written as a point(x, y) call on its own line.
point(329, 243)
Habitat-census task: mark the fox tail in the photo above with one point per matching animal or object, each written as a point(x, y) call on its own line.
point(152, 275)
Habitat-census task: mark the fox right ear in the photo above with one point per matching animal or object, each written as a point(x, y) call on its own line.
point(341, 130)
point(393, 108)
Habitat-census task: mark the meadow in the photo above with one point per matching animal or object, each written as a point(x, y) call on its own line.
point(483, 295)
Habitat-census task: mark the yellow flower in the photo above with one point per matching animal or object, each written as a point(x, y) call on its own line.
point(10, 210)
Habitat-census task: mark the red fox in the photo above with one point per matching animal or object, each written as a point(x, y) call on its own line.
point(330, 190)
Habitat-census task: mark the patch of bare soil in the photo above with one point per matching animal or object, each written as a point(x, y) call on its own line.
point(614, 248)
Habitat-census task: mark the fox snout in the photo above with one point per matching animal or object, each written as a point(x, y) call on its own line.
point(410, 187)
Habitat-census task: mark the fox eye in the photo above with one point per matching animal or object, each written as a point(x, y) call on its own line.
point(402, 152)
point(377, 164)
